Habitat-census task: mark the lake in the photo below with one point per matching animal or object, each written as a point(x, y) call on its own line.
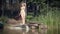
point(31, 31)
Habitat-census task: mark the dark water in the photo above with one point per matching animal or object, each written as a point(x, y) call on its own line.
point(31, 31)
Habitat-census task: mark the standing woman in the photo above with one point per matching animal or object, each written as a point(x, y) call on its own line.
point(23, 11)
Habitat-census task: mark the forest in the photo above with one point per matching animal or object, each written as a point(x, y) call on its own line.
point(42, 11)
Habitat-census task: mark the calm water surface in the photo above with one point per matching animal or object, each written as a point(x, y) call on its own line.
point(31, 31)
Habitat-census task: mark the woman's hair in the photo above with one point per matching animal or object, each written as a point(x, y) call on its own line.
point(22, 3)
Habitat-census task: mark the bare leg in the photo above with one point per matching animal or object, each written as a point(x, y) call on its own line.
point(23, 20)
point(23, 17)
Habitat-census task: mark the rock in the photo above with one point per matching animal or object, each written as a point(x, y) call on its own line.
point(13, 21)
point(33, 25)
point(1, 25)
point(37, 26)
point(18, 27)
point(42, 26)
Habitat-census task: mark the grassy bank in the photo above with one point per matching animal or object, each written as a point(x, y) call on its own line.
point(51, 18)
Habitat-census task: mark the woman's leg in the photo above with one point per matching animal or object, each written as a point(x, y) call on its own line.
point(23, 18)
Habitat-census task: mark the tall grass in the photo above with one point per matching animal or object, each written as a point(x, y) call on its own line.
point(51, 18)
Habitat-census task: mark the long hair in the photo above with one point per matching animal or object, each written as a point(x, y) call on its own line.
point(24, 5)
point(21, 4)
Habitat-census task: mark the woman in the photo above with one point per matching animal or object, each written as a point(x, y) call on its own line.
point(23, 11)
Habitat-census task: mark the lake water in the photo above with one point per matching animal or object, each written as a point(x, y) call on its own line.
point(31, 31)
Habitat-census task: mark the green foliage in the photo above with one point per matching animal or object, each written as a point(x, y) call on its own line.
point(47, 14)
point(51, 17)
point(3, 19)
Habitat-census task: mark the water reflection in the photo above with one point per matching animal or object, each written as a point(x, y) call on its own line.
point(31, 31)
point(34, 31)
point(1, 31)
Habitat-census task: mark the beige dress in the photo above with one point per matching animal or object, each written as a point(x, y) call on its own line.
point(22, 13)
